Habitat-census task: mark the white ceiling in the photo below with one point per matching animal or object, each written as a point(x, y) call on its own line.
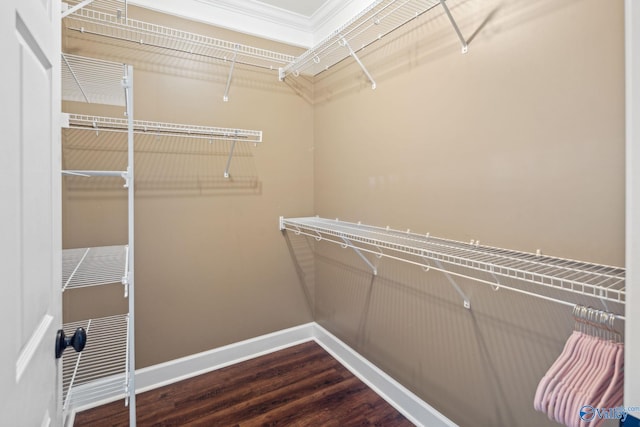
point(297, 22)
point(303, 7)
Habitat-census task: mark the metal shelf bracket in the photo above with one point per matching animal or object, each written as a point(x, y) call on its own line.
point(349, 244)
point(465, 300)
point(346, 44)
point(226, 169)
point(225, 98)
point(465, 46)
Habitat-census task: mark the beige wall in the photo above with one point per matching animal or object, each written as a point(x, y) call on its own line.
point(211, 266)
point(518, 144)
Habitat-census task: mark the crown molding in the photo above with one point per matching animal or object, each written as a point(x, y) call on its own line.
point(333, 15)
point(259, 19)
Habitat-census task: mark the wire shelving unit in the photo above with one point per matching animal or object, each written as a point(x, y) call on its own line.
point(373, 23)
point(105, 368)
point(606, 283)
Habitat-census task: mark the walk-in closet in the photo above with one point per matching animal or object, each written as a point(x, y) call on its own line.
point(421, 209)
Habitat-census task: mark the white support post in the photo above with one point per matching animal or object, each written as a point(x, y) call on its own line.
point(127, 83)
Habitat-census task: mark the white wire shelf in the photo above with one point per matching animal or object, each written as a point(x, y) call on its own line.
point(92, 80)
point(91, 20)
point(373, 23)
point(96, 123)
point(99, 372)
point(85, 267)
point(602, 282)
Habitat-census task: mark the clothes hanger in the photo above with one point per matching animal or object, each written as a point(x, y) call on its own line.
point(590, 351)
point(604, 371)
point(599, 372)
point(555, 410)
point(563, 362)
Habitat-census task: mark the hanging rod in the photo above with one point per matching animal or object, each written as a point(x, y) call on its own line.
point(606, 283)
point(146, 35)
point(111, 124)
point(373, 23)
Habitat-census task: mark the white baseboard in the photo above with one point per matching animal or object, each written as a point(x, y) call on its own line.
point(407, 403)
point(197, 364)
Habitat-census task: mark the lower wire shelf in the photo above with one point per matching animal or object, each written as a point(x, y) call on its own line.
point(100, 372)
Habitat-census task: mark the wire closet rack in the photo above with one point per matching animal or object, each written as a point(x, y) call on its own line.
point(606, 283)
point(108, 18)
point(105, 368)
point(373, 23)
point(111, 124)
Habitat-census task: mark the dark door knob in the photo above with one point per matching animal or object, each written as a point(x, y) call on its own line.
point(77, 341)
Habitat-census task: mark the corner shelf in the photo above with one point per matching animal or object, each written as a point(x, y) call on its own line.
point(602, 282)
point(373, 23)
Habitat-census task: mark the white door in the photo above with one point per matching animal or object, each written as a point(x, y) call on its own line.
point(30, 237)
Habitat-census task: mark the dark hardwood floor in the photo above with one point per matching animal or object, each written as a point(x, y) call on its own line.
point(299, 386)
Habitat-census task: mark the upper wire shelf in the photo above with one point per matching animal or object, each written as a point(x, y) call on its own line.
point(592, 280)
point(373, 23)
point(111, 124)
point(92, 20)
point(92, 80)
point(84, 267)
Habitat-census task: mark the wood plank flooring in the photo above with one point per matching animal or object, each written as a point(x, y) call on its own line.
point(299, 386)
